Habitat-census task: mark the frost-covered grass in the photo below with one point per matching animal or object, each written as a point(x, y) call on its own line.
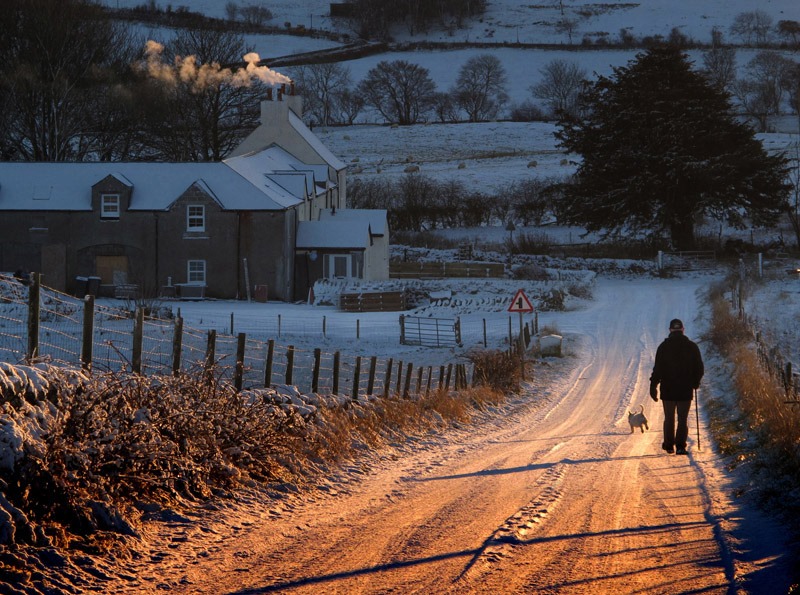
point(753, 425)
point(84, 459)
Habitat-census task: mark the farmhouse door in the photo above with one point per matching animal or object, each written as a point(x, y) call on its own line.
point(112, 270)
point(338, 266)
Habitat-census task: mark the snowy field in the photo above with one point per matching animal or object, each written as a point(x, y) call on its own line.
point(507, 22)
point(514, 21)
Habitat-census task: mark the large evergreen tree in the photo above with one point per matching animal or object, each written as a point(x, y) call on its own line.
point(661, 147)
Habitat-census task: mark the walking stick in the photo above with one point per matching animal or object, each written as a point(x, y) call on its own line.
point(697, 418)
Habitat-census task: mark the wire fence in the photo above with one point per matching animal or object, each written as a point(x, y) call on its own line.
point(774, 361)
point(38, 322)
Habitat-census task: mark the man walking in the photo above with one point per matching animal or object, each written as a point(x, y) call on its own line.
point(678, 369)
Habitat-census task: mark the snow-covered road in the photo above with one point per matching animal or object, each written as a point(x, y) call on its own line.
point(554, 496)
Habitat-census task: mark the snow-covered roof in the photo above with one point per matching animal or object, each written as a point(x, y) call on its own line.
point(352, 234)
point(375, 218)
point(314, 142)
point(276, 169)
point(238, 184)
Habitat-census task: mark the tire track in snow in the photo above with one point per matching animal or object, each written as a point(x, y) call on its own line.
point(517, 527)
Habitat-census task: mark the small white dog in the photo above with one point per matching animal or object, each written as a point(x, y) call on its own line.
point(638, 420)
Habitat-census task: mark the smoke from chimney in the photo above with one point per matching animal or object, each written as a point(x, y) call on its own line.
point(186, 70)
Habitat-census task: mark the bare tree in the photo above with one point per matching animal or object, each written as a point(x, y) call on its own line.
point(793, 207)
point(761, 91)
point(351, 102)
point(561, 82)
point(790, 31)
point(720, 66)
point(322, 86)
point(58, 61)
point(400, 91)
point(568, 26)
point(445, 108)
point(481, 87)
point(792, 85)
point(752, 27)
point(195, 109)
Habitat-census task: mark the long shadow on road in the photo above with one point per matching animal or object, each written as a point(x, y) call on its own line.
point(314, 580)
point(533, 467)
point(472, 554)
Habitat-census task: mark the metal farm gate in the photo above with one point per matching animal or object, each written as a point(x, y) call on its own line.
point(430, 332)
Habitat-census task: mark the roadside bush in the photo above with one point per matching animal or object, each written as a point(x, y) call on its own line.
point(531, 272)
point(530, 243)
point(759, 428)
point(424, 239)
point(554, 300)
point(496, 370)
point(527, 112)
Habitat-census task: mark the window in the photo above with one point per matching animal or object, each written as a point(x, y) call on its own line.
point(195, 218)
point(109, 206)
point(196, 273)
point(337, 266)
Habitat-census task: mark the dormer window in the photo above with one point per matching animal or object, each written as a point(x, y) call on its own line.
point(195, 218)
point(109, 206)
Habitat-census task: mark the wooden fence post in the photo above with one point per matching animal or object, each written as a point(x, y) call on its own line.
point(399, 389)
point(485, 343)
point(387, 381)
point(88, 333)
point(138, 338)
point(402, 329)
point(238, 373)
point(430, 375)
point(356, 378)
point(441, 378)
point(211, 349)
point(419, 380)
point(409, 367)
point(34, 311)
point(315, 373)
point(335, 388)
point(373, 364)
point(457, 330)
point(289, 364)
point(449, 372)
point(268, 366)
point(177, 345)
point(788, 382)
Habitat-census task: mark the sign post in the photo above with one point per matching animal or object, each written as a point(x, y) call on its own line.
point(521, 304)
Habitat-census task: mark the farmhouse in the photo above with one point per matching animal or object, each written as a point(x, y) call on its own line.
point(225, 230)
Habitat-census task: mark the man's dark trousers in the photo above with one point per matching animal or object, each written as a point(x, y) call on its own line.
point(682, 408)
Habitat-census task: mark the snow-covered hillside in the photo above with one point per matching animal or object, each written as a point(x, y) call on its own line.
point(515, 21)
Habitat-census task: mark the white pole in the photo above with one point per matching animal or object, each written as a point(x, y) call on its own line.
point(246, 278)
point(697, 418)
point(521, 348)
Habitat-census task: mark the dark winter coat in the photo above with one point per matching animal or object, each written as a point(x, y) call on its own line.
point(678, 368)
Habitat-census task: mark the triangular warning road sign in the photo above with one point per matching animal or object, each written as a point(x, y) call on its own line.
point(520, 303)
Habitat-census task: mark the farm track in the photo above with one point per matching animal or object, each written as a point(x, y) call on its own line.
point(555, 496)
